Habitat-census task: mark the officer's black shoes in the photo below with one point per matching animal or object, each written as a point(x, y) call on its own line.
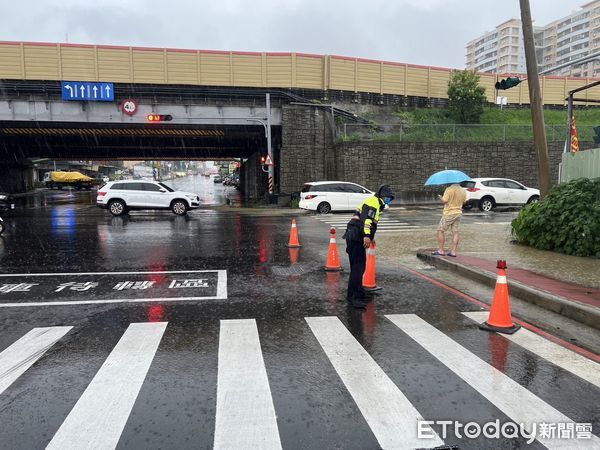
point(356, 303)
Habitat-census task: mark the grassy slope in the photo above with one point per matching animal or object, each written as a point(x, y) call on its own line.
point(585, 117)
point(517, 121)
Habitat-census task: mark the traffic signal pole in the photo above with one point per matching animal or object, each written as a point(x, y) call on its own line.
point(535, 100)
point(269, 149)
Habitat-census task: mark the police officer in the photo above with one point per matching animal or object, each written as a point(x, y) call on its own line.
point(360, 233)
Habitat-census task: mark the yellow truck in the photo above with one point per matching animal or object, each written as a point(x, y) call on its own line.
point(76, 180)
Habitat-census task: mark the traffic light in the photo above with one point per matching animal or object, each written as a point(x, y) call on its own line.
point(597, 137)
point(508, 83)
point(159, 117)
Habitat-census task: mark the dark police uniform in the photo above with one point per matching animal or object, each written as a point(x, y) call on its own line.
point(363, 224)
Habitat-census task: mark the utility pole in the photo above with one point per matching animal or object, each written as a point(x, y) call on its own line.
point(535, 100)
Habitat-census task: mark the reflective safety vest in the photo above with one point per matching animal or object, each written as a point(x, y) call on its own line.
point(367, 215)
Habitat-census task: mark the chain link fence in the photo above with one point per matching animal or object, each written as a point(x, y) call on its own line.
point(454, 132)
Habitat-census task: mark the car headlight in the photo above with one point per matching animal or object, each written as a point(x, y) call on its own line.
point(191, 197)
point(3, 197)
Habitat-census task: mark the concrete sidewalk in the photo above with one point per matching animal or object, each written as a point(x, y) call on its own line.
point(493, 241)
point(564, 284)
point(576, 302)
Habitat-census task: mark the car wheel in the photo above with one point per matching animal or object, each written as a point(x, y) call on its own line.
point(468, 207)
point(324, 208)
point(116, 207)
point(487, 204)
point(533, 199)
point(179, 207)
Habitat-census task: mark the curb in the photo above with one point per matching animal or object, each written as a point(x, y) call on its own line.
point(572, 309)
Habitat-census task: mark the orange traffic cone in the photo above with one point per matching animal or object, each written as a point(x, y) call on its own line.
point(294, 241)
point(294, 255)
point(333, 258)
point(368, 280)
point(500, 319)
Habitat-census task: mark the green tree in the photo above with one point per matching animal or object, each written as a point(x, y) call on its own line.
point(465, 97)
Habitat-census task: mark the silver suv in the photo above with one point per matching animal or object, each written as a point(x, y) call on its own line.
point(122, 196)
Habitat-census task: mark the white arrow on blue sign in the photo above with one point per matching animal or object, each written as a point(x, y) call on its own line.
point(86, 91)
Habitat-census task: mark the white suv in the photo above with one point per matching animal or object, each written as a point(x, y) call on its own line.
point(487, 193)
point(327, 196)
point(122, 196)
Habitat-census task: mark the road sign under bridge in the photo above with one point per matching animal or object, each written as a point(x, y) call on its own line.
point(86, 91)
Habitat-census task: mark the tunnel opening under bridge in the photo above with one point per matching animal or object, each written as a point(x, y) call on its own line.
point(21, 142)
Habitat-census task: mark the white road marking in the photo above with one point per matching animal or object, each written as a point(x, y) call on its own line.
point(52, 274)
point(492, 223)
point(390, 415)
point(222, 284)
point(245, 417)
point(116, 300)
point(389, 230)
point(21, 355)
point(99, 416)
point(518, 403)
point(221, 293)
point(560, 356)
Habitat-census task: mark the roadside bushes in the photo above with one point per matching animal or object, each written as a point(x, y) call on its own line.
point(567, 220)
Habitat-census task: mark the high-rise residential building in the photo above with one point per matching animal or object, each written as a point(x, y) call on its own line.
point(499, 51)
point(561, 41)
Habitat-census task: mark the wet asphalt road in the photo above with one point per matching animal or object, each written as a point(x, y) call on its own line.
point(277, 376)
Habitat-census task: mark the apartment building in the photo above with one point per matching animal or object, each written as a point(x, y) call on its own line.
point(498, 51)
point(561, 41)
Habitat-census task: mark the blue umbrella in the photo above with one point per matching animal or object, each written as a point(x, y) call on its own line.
point(447, 177)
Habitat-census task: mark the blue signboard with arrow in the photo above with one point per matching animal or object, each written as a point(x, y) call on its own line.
point(86, 91)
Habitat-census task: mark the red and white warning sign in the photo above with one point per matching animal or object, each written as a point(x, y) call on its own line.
point(129, 106)
point(269, 161)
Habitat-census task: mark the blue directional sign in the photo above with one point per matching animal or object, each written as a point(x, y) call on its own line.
point(78, 90)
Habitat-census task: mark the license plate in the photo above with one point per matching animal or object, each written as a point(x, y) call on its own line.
point(12, 206)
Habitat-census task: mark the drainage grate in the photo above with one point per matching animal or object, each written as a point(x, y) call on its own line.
point(288, 271)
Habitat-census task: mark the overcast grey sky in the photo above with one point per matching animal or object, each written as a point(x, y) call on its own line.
point(429, 32)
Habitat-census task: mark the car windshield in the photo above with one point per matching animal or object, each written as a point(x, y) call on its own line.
point(467, 184)
point(167, 187)
point(307, 187)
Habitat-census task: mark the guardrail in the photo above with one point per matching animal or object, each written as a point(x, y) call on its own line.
point(454, 132)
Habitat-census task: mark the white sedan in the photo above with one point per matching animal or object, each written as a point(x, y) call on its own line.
point(487, 193)
point(327, 196)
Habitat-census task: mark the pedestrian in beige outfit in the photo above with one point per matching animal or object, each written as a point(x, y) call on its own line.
point(454, 198)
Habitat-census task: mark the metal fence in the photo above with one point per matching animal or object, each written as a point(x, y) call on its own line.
point(584, 164)
point(454, 132)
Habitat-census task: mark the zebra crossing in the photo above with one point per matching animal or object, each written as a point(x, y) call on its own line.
point(387, 224)
point(246, 413)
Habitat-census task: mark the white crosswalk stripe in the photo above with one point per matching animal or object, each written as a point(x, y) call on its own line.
point(391, 416)
point(577, 364)
point(98, 418)
point(385, 225)
point(245, 412)
point(245, 415)
point(510, 397)
point(20, 356)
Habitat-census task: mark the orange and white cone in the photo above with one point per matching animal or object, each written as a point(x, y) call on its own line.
point(333, 258)
point(500, 319)
point(294, 241)
point(368, 280)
